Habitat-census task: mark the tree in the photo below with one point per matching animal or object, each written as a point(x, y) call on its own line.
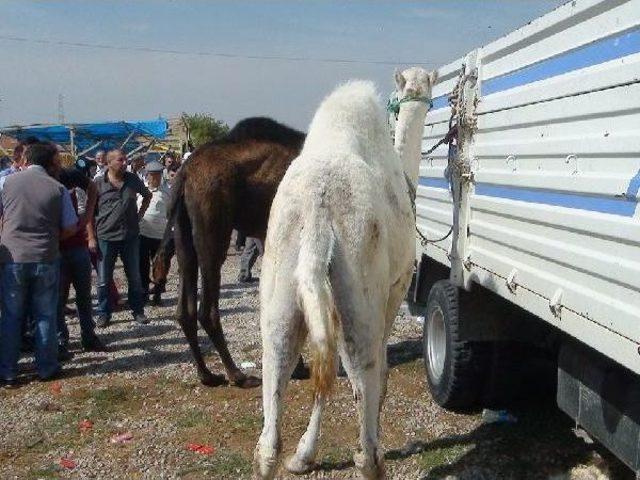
point(204, 128)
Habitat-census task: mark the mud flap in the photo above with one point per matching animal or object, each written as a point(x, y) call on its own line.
point(603, 398)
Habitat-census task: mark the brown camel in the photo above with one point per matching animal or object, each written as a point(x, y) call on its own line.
point(224, 185)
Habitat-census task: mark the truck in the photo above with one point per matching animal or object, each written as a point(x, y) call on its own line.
point(528, 230)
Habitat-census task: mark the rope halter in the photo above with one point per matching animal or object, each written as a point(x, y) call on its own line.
point(393, 104)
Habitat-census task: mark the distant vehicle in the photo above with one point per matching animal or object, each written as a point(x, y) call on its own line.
point(544, 217)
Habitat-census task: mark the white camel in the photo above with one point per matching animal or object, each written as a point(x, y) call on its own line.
point(338, 261)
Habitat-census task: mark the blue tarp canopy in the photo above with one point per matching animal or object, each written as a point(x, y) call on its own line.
point(112, 134)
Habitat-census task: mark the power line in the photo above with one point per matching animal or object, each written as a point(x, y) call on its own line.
point(207, 54)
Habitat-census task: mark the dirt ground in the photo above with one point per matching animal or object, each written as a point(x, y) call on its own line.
point(146, 388)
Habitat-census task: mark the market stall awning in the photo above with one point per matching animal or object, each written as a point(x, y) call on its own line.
point(85, 135)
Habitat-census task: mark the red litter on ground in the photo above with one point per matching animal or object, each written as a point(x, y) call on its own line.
point(122, 438)
point(55, 388)
point(198, 448)
point(68, 463)
point(85, 425)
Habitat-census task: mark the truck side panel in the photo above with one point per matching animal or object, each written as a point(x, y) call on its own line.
point(554, 225)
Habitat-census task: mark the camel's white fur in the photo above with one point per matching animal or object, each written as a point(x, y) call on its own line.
point(338, 261)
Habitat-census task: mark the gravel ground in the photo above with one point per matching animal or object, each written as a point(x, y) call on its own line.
point(146, 388)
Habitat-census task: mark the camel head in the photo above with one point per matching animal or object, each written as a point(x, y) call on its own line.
point(414, 82)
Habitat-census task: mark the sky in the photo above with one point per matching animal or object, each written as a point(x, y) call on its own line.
point(124, 83)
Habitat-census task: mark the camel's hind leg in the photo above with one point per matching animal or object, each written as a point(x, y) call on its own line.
point(187, 302)
point(303, 460)
point(283, 333)
point(397, 295)
point(365, 362)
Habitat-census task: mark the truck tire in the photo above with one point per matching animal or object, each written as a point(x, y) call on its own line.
point(456, 369)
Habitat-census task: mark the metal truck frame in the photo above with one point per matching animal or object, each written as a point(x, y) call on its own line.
point(534, 205)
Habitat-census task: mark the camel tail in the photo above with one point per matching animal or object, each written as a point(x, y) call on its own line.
point(316, 296)
point(161, 262)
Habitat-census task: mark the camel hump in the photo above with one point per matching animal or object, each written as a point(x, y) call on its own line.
point(347, 119)
point(265, 129)
point(352, 95)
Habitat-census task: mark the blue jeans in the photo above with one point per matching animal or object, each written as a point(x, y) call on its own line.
point(75, 269)
point(129, 252)
point(32, 287)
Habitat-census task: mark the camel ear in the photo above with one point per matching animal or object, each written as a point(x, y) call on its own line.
point(433, 78)
point(400, 80)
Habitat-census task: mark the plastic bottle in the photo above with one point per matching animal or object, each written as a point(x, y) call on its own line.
point(497, 416)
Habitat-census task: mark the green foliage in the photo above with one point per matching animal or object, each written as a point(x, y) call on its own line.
point(193, 418)
point(204, 128)
point(439, 457)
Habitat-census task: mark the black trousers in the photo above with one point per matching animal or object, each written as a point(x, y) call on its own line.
point(252, 250)
point(241, 240)
point(148, 248)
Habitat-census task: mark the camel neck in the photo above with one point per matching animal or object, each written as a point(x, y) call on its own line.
point(408, 137)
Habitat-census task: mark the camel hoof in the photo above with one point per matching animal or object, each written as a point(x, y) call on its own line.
point(370, 468)
point(248, 381)
point(264, 466)
point(213, 380)
point(299, 467)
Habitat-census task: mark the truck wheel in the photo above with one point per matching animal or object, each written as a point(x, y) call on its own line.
point(455, 368)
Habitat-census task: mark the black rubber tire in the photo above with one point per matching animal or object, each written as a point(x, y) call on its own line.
point(460, 387)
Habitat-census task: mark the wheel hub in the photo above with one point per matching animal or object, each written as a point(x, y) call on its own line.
point(436, 343)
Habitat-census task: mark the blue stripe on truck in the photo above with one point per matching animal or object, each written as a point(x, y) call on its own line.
point(595, 53)
point(634, 186)
point(440, 102)
point(623, 206)
point(433, 182)
point(615, 206)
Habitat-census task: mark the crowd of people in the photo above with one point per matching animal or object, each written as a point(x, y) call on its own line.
point(60, 219)
point(63, 218)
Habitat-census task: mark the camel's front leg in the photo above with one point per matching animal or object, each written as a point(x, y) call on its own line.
point(210, 321)
point(237, 376)
point(187, 302)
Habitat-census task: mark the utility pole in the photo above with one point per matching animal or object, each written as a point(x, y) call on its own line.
point(60, 108)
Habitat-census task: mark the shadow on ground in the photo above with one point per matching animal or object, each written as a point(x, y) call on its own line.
point(539, 446)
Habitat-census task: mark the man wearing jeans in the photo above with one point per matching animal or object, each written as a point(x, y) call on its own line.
point(76, 267)
point(117, 218)
point(37, 212)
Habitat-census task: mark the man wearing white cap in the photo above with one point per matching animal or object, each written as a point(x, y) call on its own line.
point(152, 226)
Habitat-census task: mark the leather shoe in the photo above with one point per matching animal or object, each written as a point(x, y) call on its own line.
point(102, 321)
point(156, 300)
point(245, 278)
point(54, 376)
point(94, 345)
point(64, 355)
point(9, 384)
